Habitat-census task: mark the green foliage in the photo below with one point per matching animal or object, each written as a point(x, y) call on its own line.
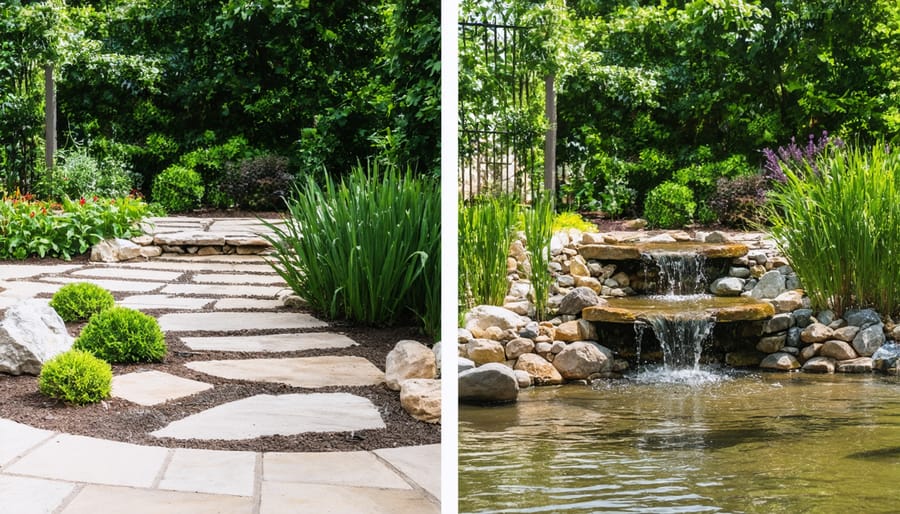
point(76, 377)
point(840, 227)
point(539, 218)
point(261, 182)
point(486, 229)
point(669, 205)
point(739, 202)
point(123, 335)
point(29, 227)
point(77, 174)
point(567, 220)
point(366, 248)
point(178, 189)
point(80, 300)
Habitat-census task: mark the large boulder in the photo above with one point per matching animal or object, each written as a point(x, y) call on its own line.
point(862, 317)
point(887, 356)
point(869, 339)
point(581, 359)
point(408, 359)
point(770, 285)
point(837, 350)
point(483, 351)
point(31, 333)
point(491, 383)
point(780, 361)
point(727, 286)
point(115, 250)
point(578, 299)
point(421, 398)
point(541, 371)
point(481, 317)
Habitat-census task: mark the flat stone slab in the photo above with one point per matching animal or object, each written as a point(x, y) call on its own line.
point(13, 271)
point(633, 251)
point(308, 372)
point(16, 439)
point(270, 343)
point(419, 463)
point(234, 321)
point(94, 498)
point(153, 387)
point(228, 278)
point(115, 286)
point(724, 309)
point(126, 273)
point(193, 264)
point(357, 469)
point(23, 290)
point(279, 498)
point(85, 459)
point(221, 290)
point(247, 303)
point(210, 471)
point(287, 414)
point(162, 301)
point(190, 238)
point(23, 495)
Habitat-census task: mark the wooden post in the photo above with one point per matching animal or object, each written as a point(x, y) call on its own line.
point(49, 116)
point(550, 140)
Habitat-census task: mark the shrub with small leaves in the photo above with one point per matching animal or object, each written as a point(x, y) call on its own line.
point(738, 202)
point(123, 335)
point(178, 189)
point(80, 300)
point(76, 377)
point(669, 205)
point(260, 182)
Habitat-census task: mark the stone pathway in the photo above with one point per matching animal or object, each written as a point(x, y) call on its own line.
point(42, 471)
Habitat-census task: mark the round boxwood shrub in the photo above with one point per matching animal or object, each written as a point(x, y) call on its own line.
point(123, 335)
point(669, 205)
point(80, 300)
point(177, 189)
point(76, 377)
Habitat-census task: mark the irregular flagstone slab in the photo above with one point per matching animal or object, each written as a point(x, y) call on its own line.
point(22, 290)
point(421, 464)
point(115, 286)
point(12, 271)
point(232, 321)
point(210, 471)
point(308, 372)
point(279, 497)
point(131, 274)
point(287, 414)
point(191, 237)
point(231, 258)
point(228, 278)
point(23, 495)
point(94, 498)
point(16, 439)
point(161, 301)
point(85, 459)
point(270, 343)
point(358, 469)
point(153, 387)
point(221, 290)
point(248, 303)
point(194, 264)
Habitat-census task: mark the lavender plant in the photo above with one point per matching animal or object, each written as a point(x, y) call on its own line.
point(797, 157)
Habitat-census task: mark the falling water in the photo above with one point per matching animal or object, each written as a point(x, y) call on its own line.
point(681, 339)
point(679, 273)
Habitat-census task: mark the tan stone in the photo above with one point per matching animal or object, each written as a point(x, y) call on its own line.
point(788, 301)
point(808, 352)
point(407, 360)
point(421, 398)
point(209, 250)
point(589, 282)
point(816, 333)
point(837, 350)
point(482, 351)
point(581, 359)
point(578, 267)
point(846, 334)
point(819, 365)
point(539, 368)
point(568, 331)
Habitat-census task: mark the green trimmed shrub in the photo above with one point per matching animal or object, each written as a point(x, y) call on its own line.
point(123, 335)
point(669, 205)
point(81, 300)
point(178, 189)
point(76, 377)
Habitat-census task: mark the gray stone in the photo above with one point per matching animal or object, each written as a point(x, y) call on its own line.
point(193, 238)
point(524, 378)
point(493, 382)
point(846, 334)
point(793, 337)
point(778, 323)
point(421, 398)
point(837, 350)
point(483, 316)
point(739, 272)
point(565, 281)
point(557, 346)
point(819, 365)
point(869, 339)
point(825, 317)
point(793, 350)
point(717, 237)
point(578, 299)
point(771, 344)
point(31, 333)
point(463, 364)
point(860, 365)
point(779, 361)
point(581, 359)
point(816, 333)
point(115, 250)
point(887, 356)
point(802, 317)
point(770, 285)
point(727, 286)
point(537, 367)
point(791, 281)
point(862, 317)
point(482, 351)
point(408, 359)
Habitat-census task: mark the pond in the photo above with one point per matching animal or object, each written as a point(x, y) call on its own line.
point(714, 442)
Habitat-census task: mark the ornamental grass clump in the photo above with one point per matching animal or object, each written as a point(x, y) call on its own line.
point(837, 220)
point(366, 248)
point(538, 220)
point(123, 335)
point(76, 377)
point(486, 230)
point(80, 300)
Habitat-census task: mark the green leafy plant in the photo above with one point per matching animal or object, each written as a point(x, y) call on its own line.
point(366, 248)
point(120, 334)
point(76, 377)
point(261, 182)
point(178, 189)
point(78, 174)
point(837, 219)
point(486, 229)
point(80, 300)
point(538, 224)
point(669, 205)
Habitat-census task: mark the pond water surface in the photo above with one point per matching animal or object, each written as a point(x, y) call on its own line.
point(786, 443)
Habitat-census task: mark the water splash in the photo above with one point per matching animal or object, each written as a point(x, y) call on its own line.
point(681, 339)
point(679, 273)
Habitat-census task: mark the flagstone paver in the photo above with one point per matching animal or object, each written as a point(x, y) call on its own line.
point(270, 343)
point(24, 495)
point(26, 289)
point(308, 372)
point(286, 414)
point(16, 439)
point(279, 498)
point(126, 273)
point(222, 290)
point(224, 278)
point(193, 264)
point(247, 303)
point(153, 387)
point(94, 499)
point(116, 286)
point(10, 271)
point(210, 471)
point(234, 321)
point(162, 301)
point(417, 462)
point(358, 469)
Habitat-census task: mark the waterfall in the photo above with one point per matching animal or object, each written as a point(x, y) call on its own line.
point(679, 273)
point(681, 338)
